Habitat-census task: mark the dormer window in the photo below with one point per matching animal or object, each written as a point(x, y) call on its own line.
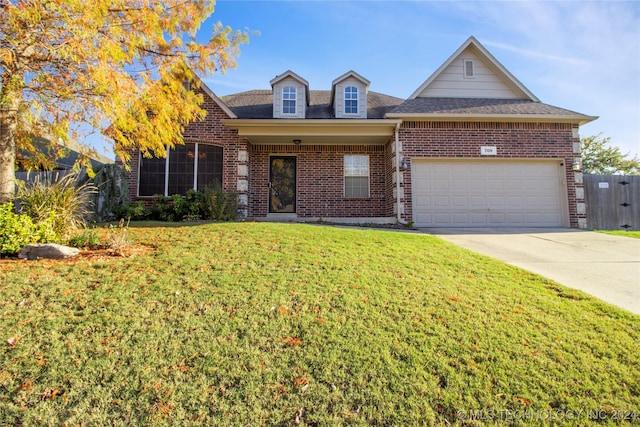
point(289, 100)
point(351, 100)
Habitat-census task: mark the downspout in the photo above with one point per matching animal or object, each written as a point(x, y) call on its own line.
point(398, 198)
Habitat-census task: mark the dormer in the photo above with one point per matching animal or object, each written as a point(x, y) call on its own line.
point(290, 96)
point(349, 96)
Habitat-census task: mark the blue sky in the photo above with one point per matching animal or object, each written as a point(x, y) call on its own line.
point(579, 55)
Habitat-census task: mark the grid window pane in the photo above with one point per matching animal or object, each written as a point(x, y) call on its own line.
point(356, 187)
point(209, 166)
point(152, 172)
point(289, 107)
point(356, 176)
point(351, 100)
point(289, 100)
point(181, 165)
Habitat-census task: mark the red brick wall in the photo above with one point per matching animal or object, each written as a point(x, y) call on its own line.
point(512, 140)
point(320, 177)
point(320, 180)
point(208, 131)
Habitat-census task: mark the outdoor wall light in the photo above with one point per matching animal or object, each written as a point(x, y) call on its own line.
point(404, 164)
point(297, 141)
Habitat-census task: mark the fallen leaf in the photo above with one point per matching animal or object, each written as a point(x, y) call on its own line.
point(321, 320)
point(294, 341)
point(50, 393)
point(12, 341)
point(282, 310)
point(524, 401)
point(300, 381)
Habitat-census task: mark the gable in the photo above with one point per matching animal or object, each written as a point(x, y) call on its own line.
point(218, 101)
point(472, 72)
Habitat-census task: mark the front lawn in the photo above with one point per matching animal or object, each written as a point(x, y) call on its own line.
point(633, 234)
point(250, 324)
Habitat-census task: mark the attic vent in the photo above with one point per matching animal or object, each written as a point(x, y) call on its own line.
point(469, 71)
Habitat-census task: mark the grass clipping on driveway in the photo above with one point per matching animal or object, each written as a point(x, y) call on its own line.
point(282, 324)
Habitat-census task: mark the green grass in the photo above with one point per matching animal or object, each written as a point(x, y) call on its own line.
point(271, 324)
point(633, 234)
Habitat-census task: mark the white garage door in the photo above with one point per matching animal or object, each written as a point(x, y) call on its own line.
point(488, 193)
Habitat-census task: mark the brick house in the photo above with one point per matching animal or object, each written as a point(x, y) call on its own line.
point(471, 147)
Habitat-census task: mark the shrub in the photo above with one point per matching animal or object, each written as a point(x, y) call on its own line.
point(163, 209)
point(213, 203)
point(118, 239)
point(87, 239)
point(66, 202)
point(17, 231)
point(220, 205)
point(136, 212)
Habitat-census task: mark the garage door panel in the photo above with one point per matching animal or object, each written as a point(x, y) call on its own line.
point(459, 185)
point(497, 202)
point(495, 185)
point(477, 185)
point(497, 218)
point(514, 202)
point(441, 202)
point(461, 193)
point(477, 219)
point(459, 202)
point(478, 202)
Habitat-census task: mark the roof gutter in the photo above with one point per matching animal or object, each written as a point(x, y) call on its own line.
point(519, 118)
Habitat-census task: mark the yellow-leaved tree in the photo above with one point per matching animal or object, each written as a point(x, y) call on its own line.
point(117, 66)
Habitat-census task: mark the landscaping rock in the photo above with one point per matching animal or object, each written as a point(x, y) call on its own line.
point(47, 250)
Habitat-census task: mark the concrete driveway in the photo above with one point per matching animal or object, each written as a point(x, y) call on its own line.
point(605, 266)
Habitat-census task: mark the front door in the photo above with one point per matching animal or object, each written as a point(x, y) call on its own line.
point(282, 184)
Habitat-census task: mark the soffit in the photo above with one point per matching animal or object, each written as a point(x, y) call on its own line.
point(316, 132)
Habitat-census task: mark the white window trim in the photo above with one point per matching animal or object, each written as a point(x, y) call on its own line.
point(357, 93)
point(166, 171)
point(464, 69)
point(345, 176)
point(294, 91)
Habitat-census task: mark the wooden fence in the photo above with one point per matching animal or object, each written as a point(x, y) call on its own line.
point(42, 176)
point(613, 202)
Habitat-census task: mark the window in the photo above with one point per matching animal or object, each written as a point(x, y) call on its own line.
point(469, 72)
point(356, 176)
point(181, 167)
point(191, 166)
point(289, 100)
point(351, 100)
point(152, 176)
point(209, 166)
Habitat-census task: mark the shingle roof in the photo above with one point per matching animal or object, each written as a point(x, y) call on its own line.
point(258, 104)
point(475, 106)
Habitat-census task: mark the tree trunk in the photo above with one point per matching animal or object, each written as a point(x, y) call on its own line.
point(8, 124)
